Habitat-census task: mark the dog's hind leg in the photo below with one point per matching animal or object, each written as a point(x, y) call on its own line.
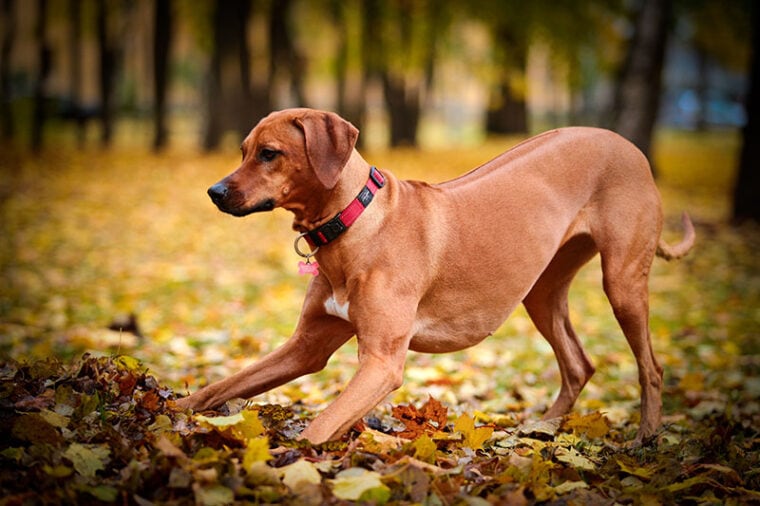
point(547, 306)
point(626, 263)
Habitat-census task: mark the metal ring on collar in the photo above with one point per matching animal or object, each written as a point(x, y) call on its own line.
point(301, 253)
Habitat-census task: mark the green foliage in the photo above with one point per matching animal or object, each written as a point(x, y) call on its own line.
point(90, 237)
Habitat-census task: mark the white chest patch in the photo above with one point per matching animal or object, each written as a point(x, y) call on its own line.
point(333, 308)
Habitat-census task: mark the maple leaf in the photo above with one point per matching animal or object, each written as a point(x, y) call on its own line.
point(474, 437)
point(432, 417)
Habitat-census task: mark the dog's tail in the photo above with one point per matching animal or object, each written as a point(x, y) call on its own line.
point(664, 250)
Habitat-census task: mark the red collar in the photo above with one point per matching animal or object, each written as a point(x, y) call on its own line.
point(344, 219)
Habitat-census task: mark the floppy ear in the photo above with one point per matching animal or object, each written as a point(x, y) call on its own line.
point(329, 142)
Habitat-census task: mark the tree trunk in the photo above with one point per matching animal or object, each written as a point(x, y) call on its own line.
point(214, 112)
point(403, 91)
point(507, 114)
point(162, 35)
point(747, 189)
point(9, 35)
point(284, 56)
point(350, 92)
point(403, 109)
point(43, 71)
point(508, 110)
point(638, 94)
point(229, 102)
point(75, 107)
point(107, 57)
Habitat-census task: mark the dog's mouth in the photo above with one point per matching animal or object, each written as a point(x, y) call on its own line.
point(260, 207)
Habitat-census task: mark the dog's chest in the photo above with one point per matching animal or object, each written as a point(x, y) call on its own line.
point(335, 308)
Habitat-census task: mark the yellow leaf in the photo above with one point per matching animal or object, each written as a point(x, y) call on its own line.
point(256, 450)
point(300, 472)
point(572, 457)
point(424, 448)
point(357, 484)
point(593, 425)
point(242, 426)
point(569, 486)
point(87, 459)
point(473, 437)
point(373, 441)
point(251, 426)
point(634, 470)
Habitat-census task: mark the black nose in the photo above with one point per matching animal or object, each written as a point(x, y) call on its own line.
point(218, 192)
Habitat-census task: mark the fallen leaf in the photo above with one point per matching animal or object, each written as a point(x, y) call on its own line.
point(424, 448)
point(256, 450)
point(474, 437)
point(572, 457)
point(357, 484)
point(593, 425)
point(298, 473)
point(87, 459)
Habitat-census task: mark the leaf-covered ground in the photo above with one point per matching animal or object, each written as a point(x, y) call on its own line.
point(120, 255)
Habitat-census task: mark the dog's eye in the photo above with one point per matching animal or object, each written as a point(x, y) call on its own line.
point(267, 155)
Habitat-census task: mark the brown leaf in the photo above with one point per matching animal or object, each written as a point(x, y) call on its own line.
point(429, 419)
point(149, 401)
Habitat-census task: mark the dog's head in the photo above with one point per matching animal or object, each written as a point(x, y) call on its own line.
point(287, 157)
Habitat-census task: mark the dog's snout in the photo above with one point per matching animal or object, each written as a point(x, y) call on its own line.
point(218, 192)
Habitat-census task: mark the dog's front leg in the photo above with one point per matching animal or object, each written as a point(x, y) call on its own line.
point(377, 377)
point(383, 335)
point(315, 339)
point(295, 358)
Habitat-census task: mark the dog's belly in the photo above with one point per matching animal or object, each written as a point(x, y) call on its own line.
point(436, 335)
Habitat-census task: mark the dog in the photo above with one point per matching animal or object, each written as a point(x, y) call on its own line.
point(406, 265)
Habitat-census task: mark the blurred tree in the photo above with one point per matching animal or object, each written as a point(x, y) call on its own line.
point(6, 47)
point(510, 22)
point(162, 36)
point(229, 103)
point(569, 28)
point(108, 55)
point(639, 86)
point(44, 62)
point(402, 36)
point(747, 189)
point(284, 57)
point(351, 93)
point(720, 33)
point(75, 106)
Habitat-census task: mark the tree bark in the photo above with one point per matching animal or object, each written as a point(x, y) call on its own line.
point(43, 71)
point(75, 107)
point(637, 98)
point(7, 128)
point(107, 57)
point(229, 103)
point(162, 35)
point(507, 110)
point(284, 55)
point(747, 190)
point(403, 109)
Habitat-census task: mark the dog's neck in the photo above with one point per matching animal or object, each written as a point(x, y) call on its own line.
point(320, 206)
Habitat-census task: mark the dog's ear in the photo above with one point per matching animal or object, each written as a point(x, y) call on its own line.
point(329, 142)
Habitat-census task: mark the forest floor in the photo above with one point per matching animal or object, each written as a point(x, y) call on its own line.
point(122, 286)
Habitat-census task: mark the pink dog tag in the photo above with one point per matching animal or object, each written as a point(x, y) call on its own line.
point(308, 268)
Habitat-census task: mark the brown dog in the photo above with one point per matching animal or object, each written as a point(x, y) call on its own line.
point(437, 268)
